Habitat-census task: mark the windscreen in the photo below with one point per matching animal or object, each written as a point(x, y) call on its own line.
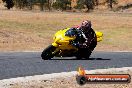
point(71, 32)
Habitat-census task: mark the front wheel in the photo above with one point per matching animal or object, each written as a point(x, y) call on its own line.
point(48, 52)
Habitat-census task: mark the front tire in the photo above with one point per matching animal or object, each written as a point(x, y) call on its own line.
point(47, 54)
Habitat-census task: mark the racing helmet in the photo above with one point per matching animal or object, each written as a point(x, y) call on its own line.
point(85, 25)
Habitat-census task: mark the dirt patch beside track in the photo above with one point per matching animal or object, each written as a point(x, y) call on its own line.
point(33, 31)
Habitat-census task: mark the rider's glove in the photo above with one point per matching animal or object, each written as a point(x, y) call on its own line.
point(76, 45)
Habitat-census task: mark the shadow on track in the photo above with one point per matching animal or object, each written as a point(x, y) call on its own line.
point(81, 59)
point(98, 59)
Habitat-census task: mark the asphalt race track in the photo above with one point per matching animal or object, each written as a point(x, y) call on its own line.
point(19, 64)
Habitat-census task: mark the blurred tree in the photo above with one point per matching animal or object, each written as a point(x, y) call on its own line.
point(49, 2)
point(88, 3)
point(62, 4)
point(9, 3)
point(96, 2)
point(111, 2)
point(80, 4)
point(23, 3)
point(29, 4)
point(42, 4)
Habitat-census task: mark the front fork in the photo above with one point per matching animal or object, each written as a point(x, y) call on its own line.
point(57, 51)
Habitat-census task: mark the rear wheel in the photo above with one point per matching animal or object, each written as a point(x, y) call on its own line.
point(83, 53)
point(48, 52)
point(87, 55)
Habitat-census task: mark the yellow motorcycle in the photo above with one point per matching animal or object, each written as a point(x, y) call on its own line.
point(62, 45)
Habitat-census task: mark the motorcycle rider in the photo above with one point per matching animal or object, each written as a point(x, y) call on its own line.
point(89, 40)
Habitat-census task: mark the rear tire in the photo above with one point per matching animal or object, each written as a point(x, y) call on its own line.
point(83, 53)
point(88, 54)
point(47, 53)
